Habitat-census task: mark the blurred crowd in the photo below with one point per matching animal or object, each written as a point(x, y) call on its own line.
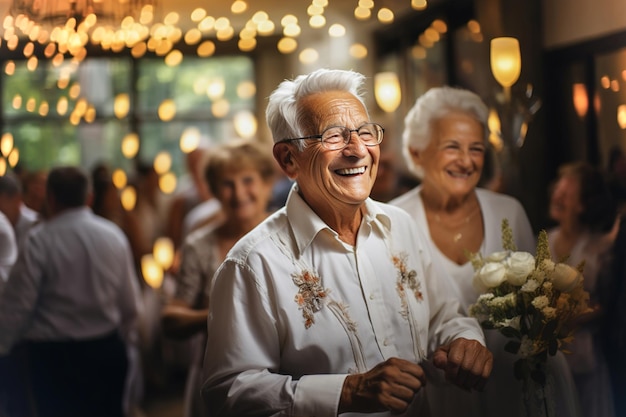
point(50, 239)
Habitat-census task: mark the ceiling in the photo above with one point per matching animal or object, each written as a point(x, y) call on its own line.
point(340, 10)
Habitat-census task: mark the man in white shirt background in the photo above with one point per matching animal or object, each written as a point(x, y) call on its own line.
point(70, 300)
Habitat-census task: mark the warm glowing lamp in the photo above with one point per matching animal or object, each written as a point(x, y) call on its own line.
point(189, 139)
point(121, 105)
point(163, 252)
point(621, 116)
point(119, 178)
point(387, 91)
point(14, 157)
point(162, 162)
point(151, 271)
point(245, 124)
point(129, 198)
point(506, 62)
point(167, 110)
point(167, 182)
point(580, 99)
point(6, 144)
point(130, 145)
point(3, 166)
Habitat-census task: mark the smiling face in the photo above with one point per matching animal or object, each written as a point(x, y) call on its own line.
point(244, 194)
point(332, 181)
point(453, 160)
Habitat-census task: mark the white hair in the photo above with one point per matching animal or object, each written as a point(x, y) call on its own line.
point(435, 104)
point(283, 114)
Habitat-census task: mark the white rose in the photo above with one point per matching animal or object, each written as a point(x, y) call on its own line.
point(490, 275)
point(565, 278)
point(497, 256)
point(520, 265)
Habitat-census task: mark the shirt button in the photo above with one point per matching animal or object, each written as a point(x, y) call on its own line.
point(386, 341)
point(372, 296)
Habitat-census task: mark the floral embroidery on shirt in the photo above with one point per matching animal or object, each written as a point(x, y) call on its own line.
point(406, 277)
point(310, 295)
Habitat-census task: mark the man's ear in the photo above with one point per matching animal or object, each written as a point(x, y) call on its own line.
point(284, 155)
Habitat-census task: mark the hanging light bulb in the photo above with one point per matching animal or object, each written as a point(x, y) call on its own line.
point(6, 143)
point(130, 145)
point(189, 139)
point(163, 252)
point(151, 271)
point(129, 198)
point(121, 105)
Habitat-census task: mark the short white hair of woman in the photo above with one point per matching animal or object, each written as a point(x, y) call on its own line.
point(435, 104)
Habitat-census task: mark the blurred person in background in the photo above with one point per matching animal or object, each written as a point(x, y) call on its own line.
point(70, 303)
point(11, 204)
point(240, 174)
point(191, 192)
point(34, 189)
point(585, 213)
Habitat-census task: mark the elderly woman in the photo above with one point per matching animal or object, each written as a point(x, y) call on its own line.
point(240, 175)
point(444, 141)
point(333, 303)
point(582, 206)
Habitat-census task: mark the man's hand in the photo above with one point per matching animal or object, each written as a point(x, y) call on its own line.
point(466, 363)
point(390, 385)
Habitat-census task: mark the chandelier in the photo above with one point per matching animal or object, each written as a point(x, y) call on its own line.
point(72, 24)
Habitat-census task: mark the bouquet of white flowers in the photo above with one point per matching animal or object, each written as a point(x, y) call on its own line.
point(531, 300)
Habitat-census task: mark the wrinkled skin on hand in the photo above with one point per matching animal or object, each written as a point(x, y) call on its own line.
point(466, 363)
point(390, 385)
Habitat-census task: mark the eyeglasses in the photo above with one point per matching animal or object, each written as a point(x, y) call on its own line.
point(337, 137)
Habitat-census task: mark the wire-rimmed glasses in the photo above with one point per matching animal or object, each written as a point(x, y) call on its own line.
point(337, 137)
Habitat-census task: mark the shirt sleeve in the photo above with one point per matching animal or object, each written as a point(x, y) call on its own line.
point(242, 364)
point(18, 299)
point(8, 249)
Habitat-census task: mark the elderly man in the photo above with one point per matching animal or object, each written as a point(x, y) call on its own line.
point(333, 304)
point(70, 299)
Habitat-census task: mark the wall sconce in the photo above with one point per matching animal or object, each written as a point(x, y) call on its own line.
point(580, 99)
point(387, 91)
point(506, 62)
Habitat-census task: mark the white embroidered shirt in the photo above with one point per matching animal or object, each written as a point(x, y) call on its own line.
point(294, 310)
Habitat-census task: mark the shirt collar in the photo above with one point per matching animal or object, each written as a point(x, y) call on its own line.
point(306, 224)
